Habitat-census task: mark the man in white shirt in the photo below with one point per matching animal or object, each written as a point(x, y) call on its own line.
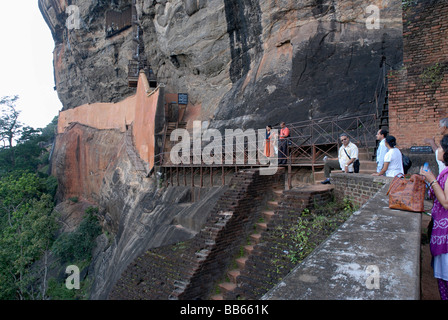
point(443, 130)
point(382, 149)
point(347, 155)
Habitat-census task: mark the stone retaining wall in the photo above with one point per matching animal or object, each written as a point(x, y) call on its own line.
point(359, 188)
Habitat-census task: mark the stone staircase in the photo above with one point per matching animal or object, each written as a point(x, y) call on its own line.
point(227, 287)
point(367, 166)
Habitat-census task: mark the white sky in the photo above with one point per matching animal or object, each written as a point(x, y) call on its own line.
point(26, 62)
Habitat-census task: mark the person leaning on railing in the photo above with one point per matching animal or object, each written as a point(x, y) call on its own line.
point(283, 144)
point(269, 147)
point(393, 159)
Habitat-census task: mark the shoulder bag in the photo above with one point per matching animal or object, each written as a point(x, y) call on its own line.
point(407, 194)
point(355, 164)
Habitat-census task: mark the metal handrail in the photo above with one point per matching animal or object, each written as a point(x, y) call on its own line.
point(312, 135)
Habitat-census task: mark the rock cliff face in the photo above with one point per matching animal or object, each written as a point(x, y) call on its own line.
point(245, 62)
point(98, 167)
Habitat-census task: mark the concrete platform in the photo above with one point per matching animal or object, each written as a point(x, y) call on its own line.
point(375, 255)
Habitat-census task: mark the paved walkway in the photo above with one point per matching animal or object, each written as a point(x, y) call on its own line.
point(375, 255)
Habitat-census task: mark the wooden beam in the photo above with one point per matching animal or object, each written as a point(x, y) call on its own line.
point(223, 176)
point(289, 176)
point(201, 179)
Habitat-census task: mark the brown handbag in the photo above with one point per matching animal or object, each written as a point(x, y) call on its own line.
point(407, 194)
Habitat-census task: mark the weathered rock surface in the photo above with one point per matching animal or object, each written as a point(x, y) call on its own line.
point(149, 220)
point(88, 67)
point(81, 157)
point(95, 165)
point(246, 63)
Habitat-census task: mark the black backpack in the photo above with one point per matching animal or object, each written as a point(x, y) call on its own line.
point(407, 163)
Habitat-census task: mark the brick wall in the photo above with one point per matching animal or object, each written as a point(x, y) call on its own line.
point(416, 102)
point(359, 188)
point(189, 270)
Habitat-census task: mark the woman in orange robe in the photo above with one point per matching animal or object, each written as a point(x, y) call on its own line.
point(268, 145)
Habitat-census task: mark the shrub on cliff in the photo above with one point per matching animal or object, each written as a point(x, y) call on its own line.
point(77, 246)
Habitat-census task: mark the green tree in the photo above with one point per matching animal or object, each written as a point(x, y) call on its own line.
point(10, 126)
point(27, 224)
point(28, 133)
point(27, 219)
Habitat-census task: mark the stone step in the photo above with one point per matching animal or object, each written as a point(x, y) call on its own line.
point(267, 215)
point(241, 262)
point(367, 165)
point(255, 237)
point(233, 274)
point(227, 286)
point(320, 175)
point(364, 155)
point(261, 226)
point(278, 192)
point(272, 204)
point(367, 171)
point(248, 249)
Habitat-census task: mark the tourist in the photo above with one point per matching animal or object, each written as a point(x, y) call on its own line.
point(439, 234)
point(348, 153)
point(393, 160)
point(269, 142)
point(283, 144)
point(443, 130)
point(382, 149)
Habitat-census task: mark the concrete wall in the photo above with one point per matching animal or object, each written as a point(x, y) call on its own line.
point(138, 110)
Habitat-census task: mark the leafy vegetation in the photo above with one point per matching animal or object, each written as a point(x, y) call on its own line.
point(295, 241)
point(77, 246)
point(433, 75)
point(28, 221)
point(408, 3)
